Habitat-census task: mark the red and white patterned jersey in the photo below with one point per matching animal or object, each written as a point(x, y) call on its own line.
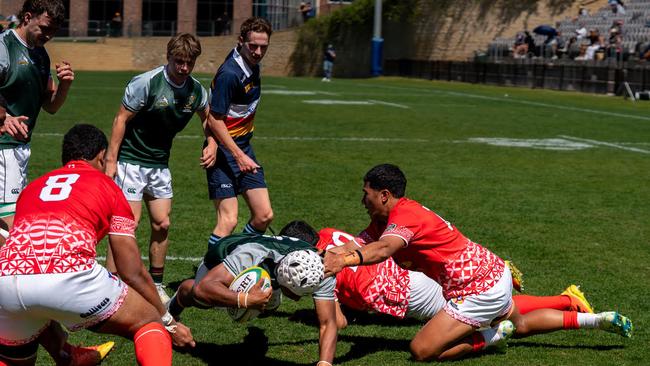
point(434, 246)
point(59, 219)
point(383, 287)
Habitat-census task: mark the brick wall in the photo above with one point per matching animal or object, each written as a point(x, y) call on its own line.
point(146, 53)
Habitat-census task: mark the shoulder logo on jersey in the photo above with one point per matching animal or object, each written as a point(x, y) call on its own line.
point(187, 108)
point(24, 61)
point(248, 87)
point(162, 102)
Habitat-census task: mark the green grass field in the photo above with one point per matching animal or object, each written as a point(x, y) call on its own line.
point(578, 213)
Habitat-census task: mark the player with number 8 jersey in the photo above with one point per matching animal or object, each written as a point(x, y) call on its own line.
point(59, 219)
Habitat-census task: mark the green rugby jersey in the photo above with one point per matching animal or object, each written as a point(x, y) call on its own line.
point(24, 74)
point(162, 109)
point(241, 251)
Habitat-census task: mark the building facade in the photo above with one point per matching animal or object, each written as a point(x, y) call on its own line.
point(135, 18)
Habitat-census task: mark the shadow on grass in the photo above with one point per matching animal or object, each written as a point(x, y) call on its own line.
point(308, 317)
point(252, 351)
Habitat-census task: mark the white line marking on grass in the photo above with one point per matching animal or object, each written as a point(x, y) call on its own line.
point(169, 258)
point(389, 104)
point(337, 102)
point(544, 144)
point(290, 92)
point(275, 86)
point(290, 138)
point(515, 101)
point(609, 144)
point(352, 102)
point(355, 139)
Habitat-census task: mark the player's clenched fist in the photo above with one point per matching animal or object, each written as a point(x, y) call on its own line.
point(64, 72)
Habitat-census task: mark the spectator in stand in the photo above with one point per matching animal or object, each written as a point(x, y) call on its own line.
point(583, 12)
point(582, 55)
point(596, 42)
point(306, 10)
point(615, 44)
point(552, 41)
point(520, 49)
point(530, 41)
point(617, 6)
point(581, 32)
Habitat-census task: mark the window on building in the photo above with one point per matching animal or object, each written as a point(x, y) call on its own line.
point(105, 18)
point(159, 17)
point(214, 18)
point(64, 30)
point(281, 13)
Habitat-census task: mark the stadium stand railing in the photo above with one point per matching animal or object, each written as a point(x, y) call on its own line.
point(589, 77)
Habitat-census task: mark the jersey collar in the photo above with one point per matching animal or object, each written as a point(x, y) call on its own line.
point(242, 63)
point(21, 40)
point(170, 80)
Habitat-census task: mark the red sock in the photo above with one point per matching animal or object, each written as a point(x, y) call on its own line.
point(478, 342)
point(570, 320)
point(153, 345)
point(526, 303)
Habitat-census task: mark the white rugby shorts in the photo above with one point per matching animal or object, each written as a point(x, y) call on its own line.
point(13, 173)
point(77, 300)
point(481, 310)
point(135, 180)
point(426, 298)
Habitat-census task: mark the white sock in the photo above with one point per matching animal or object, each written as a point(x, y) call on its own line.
point(588, 320)
point(491, 336)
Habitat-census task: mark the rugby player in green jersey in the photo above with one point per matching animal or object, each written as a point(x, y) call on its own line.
point(27, 85)
point(156, 106)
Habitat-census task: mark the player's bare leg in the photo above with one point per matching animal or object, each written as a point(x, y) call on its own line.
point(441, 338)
point(136, 207)
point(536, 322)
point(259, 202)
point(139, 320)
point(159, 211)
point(227, 211)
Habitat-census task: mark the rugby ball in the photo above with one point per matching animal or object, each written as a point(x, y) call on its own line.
point(245, 281)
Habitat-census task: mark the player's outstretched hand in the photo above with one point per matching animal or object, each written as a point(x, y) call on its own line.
point(16, 127)
point(258, 298)
point(64, 72)
point(182, 336)
point(333, 263)
point(209, 156)
point(247, 165)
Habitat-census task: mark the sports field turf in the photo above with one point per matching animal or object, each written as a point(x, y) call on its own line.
point(568, 204)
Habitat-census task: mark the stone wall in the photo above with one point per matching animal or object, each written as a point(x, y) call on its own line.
point(140, 54)
point(453, 30)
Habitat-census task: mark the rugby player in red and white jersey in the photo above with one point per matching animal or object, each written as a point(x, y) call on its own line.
point(48, 270)
point(386, 288)
point(476, 284)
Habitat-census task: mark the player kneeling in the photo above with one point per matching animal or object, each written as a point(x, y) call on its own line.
point(295, 269)
point(48, 272)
